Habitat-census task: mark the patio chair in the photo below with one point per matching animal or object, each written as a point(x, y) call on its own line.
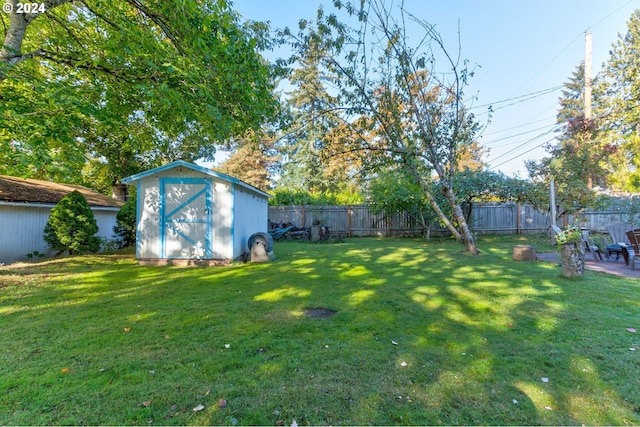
point(593, 248)
point(619, 244)
point(634, 246)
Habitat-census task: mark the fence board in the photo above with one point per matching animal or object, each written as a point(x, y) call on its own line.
point(486, 218)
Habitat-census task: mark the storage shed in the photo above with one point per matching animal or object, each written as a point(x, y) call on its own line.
point(25, 206)
point(191, 213)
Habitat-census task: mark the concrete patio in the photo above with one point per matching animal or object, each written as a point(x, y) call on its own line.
point(617, 268)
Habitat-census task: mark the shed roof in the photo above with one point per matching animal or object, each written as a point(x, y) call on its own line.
point(181, 163)
point(20, 190)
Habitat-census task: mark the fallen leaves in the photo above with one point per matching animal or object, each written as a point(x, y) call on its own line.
point(198, 408)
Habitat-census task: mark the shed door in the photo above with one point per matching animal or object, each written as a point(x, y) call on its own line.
point(185, 218)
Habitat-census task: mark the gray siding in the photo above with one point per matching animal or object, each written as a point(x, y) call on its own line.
point(22, 229)
point(250, 215)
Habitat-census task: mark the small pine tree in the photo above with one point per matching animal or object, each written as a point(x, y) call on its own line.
point(72, 226)
point(125, 228)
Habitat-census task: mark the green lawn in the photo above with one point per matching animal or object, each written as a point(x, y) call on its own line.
point(422, 334)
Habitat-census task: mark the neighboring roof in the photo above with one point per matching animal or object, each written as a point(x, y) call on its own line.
point(181, 163)
point(20, 190)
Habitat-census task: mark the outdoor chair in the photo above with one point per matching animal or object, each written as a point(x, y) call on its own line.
point(619, 244)
point(593, 248)
point(634, 246)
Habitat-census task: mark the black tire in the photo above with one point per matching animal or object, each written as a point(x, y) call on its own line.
point(265, 238)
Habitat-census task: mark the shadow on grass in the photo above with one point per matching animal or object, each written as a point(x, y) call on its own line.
point(422, 334)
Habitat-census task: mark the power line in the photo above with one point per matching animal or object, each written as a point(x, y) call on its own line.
point(522, 154)
point(519, 126)
point(520, 134)
point(569, 45)
point(529, 96)
point(523, 144)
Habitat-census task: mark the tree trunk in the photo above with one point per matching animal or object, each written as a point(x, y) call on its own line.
point(462, 235)
point(572, 256)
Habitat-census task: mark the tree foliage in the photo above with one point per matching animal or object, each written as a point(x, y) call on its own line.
point(71, 226)
point(126, 224)
point(289, 197)
point(253, 160)
point(621, 112)
point(308, 163)
point(115, 87)
point(398, 107)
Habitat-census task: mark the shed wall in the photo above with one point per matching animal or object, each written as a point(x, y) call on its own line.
point(250, 215)
point(22, 229)
point(149, 237)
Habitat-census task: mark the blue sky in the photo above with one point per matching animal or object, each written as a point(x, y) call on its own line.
point(523, 49)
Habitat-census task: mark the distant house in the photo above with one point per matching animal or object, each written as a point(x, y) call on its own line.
point(190, 213)
point(25, 205)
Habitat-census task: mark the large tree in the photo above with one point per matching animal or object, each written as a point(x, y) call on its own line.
point(308, 163)
point(621, 116)
point(400, 108)
point(577, 159)
point(126, 85)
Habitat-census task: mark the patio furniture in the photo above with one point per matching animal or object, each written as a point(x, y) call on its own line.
point(634, 246)
point(617, 231)
point(593, 248)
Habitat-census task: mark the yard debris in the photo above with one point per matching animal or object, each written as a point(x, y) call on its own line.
point(227, 346)
point(632, 330)
point(393, 342)
point(146, 403)
point(127, 329)
point(545, 379)
point(403, 364)
point(294, 423)
point(222, 403)
point(515, 402)
point(548, 408)
point(198, 408)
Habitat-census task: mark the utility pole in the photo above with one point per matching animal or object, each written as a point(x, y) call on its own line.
point(587, 77)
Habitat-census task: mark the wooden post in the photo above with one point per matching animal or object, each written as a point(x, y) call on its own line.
point(349, 220)
point(518, 219)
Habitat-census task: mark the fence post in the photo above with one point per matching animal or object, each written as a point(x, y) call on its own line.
point(349, 220)
point(304, 220)
point(518, 219)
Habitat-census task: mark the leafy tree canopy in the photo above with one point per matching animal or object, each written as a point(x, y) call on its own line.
point(110, 88)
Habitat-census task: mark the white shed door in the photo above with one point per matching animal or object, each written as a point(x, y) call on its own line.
point(185, 218)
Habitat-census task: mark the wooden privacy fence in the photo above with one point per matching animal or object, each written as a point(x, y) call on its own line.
point(486, 218)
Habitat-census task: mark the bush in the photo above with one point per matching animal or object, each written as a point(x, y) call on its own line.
point(72, 226)
point(125, 228)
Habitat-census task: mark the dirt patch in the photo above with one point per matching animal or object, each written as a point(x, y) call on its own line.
point(319, 312)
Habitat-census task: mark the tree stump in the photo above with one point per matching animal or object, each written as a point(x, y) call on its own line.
point(572, 259)
point(524, 253)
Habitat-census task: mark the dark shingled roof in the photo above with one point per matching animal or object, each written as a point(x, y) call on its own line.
point(19, 190)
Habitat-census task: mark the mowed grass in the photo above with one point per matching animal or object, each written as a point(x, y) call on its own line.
point(422, 334)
